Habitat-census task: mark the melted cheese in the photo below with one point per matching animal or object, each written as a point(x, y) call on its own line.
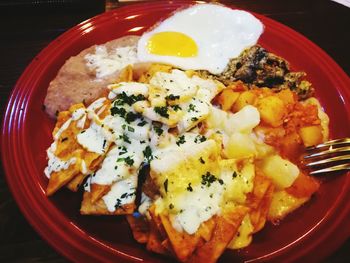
point(55, 164)
point(121, 193)
point(93, 140)
point(106, 63)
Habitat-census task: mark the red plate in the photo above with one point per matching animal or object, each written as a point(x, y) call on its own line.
point(311, 232)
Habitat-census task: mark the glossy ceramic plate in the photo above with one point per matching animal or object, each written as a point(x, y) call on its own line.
point(311, 232)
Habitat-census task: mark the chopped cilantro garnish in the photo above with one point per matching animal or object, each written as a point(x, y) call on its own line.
point(194, 119)
point(118, 111)
point(189, 188)
point(171, 206)
point(234, 175)
point(166, 185)
point(142, 123)
point(157, 127)
point(208, 179)
point(162, 111)
point(147, 152)
point(131, 129)
point(123, 98)
point(129, 161)
point(118, 204)
point(200, 138)
point(181, 140)
point(201, 160)
point(130, 116)
point(191, 107)
point(172, 97)
point(122, 150)
point(125, 138)
point(176, 107)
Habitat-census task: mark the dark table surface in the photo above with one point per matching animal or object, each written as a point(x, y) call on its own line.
point(26, 27)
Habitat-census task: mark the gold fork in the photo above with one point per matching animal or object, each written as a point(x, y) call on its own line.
point(329, 156)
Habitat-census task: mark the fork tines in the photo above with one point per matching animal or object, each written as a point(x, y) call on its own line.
point(329, 156)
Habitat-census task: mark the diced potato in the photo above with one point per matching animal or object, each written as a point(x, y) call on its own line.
point(244, 99)
point(272, 110)
point(287, 96)
point(243, 121)
point(216, 118)
point(311, 135)
point(240, 146)
point(282, 172)
point(227, 98)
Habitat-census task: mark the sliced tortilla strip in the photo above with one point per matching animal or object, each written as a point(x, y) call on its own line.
point(258, 216)
point(92, 161)
point(61, 178)
point(99, 207)
point(259, 200)
point(74, 184)
point(97, 191)
point(155, 240)
point(140, 228)
point(183, 244)
point(226, 227)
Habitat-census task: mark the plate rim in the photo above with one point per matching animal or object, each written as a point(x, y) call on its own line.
point(17, 92)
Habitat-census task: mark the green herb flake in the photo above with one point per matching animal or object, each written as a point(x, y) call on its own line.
point(142, 123)
point(194, 119)
point(171, 206)
point(189, 188)
point(200, 138)
point(125, 138)
point(191, 107)
point(181, 140)
point(162, 111)
point(234, 175)
point(129, 161)
point(201, 160)
point(172, 97)
point(157, 128)
point(176, 107)
point(208, 179)
point(166, 185)
point(147, 152)
point(118, 111)
point(131, 129)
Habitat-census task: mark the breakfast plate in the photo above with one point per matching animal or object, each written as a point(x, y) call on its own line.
point(321, 225)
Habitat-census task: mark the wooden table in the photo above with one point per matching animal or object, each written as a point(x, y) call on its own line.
point(25, 29)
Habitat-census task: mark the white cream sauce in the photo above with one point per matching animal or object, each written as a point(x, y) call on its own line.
point(106, 62)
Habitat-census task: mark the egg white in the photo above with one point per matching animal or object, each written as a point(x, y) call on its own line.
point(220, 33)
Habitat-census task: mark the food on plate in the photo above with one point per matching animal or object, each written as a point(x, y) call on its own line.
point(198, 159)
point(84, 77)
point(200, 37)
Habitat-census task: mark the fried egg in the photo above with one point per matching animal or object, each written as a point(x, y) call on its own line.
point(201, 37)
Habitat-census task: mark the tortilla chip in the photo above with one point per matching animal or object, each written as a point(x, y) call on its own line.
point(259, 200)
point(258, 216)
point(155, 240)
point(99, 207)
point(61, 178)
point(206, 229)
point(97, 191)
point(225, 229)
point(140, 228)
point(182, 243)
point(74, 184)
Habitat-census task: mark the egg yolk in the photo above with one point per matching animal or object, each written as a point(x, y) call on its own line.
point(172, 44)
